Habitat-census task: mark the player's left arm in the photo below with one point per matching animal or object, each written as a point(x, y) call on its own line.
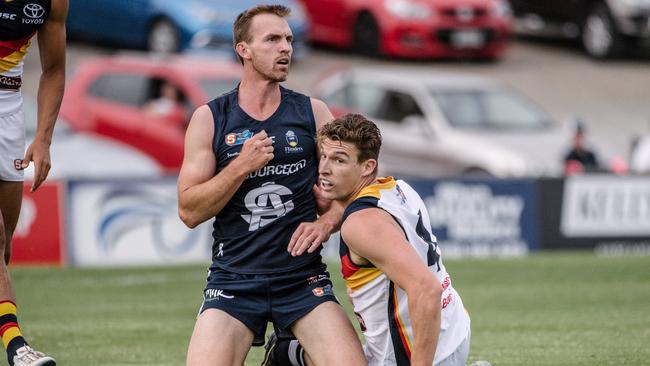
point(51, 45)
point(310, 235)
point(374, 235)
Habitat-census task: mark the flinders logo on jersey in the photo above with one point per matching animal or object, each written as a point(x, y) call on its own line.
point(292, 140)
point(238, 138)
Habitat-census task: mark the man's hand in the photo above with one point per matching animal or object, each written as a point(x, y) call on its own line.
point(256, 152)
point(308, 237)
point(38, 152)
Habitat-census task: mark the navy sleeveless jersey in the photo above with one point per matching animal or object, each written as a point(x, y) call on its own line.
point(19, 19)
point(252, 232)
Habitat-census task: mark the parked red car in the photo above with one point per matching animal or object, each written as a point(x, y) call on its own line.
point(413, 28)
point(119, 97)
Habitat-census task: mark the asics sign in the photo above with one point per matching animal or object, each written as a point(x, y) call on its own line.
point(266, 205)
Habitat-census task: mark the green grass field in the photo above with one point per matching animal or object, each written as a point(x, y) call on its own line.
point(550, 309)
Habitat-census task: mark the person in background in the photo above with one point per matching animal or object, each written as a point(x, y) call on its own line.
point(640, 162)
point(579, 159)
point(168, 102)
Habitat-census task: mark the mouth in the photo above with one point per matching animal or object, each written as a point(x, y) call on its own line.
point(325, 184)
point(285, 61)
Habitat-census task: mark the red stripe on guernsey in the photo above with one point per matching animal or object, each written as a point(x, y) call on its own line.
point(9, 301)
point(347, 267)
point(9, 47)
point(4, 328)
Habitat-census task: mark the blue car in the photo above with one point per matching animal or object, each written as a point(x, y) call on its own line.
point(169, 25)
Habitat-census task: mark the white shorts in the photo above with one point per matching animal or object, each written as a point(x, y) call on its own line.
point(460, 355)
point(12, 146)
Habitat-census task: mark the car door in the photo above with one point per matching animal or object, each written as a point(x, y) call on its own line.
point(116, 100)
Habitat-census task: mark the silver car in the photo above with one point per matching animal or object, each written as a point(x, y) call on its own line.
point(437, 125)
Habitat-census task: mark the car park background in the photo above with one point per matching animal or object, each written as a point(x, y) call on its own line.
point(611, 97)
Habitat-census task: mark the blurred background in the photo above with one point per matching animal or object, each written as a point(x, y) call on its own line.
point(524, 124)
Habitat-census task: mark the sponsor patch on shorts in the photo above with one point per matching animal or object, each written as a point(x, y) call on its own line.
point(322, 291)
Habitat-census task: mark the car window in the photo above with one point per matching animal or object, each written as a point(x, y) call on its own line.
point(490, 109)
point(396, 106)
point(339, 98)
point(366, 99)
point(130, 89)
point(215, 87)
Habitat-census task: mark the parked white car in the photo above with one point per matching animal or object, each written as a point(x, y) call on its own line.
point(437, 125)
point(82, 155)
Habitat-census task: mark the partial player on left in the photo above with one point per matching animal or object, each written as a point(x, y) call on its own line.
point(20, 21)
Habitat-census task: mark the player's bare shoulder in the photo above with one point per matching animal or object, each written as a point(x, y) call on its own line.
point(322, 113)
point(201, 126)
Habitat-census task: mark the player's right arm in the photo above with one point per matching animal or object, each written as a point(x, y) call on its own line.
point(201, 193)
point(373, 235)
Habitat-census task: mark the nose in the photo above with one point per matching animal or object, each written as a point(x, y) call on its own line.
point(323, 166)
point(286, 46)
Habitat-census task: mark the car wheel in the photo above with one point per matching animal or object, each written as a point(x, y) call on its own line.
point(366, 35)
point(600, 38)
point(164, 37)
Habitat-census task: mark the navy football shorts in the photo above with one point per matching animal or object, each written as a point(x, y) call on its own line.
point(259, 298)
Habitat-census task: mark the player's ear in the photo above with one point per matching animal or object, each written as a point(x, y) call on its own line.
point(242, 50)
point(368, 167)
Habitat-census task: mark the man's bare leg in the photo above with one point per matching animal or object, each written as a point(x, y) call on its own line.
point(218, 340)
point(328, 337)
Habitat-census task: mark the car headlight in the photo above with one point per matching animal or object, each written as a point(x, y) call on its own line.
point(408, 9)
point(501, 9)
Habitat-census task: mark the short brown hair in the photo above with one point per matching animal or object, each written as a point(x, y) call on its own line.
point(243, 22)
point(355, 129)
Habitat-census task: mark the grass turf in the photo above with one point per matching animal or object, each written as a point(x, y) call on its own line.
point(548, 309)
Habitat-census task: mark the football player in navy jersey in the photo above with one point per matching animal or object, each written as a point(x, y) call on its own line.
point(20, 20)
point(251, 163)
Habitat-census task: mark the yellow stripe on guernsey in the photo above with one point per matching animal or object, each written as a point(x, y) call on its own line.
point(14, 59)
point(374, 190)
point(364, 275)
point(361, 277)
